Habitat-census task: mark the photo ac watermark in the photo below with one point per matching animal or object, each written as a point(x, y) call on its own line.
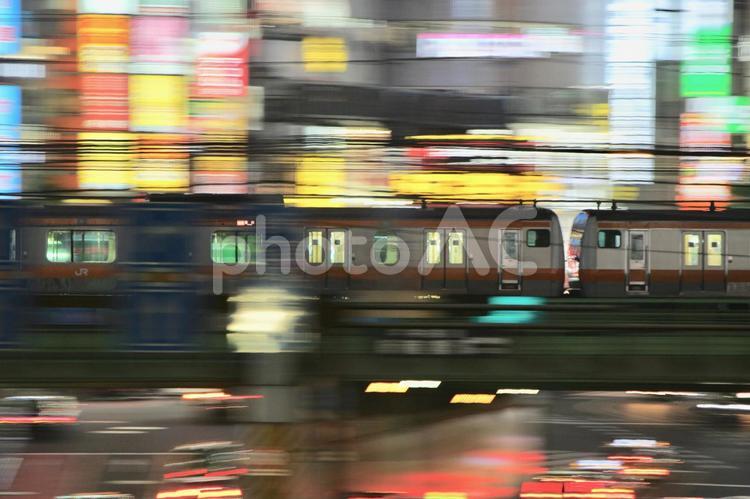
point(452, 242)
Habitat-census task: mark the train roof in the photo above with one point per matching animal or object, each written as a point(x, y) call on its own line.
point(733, 215)
point(430, 211)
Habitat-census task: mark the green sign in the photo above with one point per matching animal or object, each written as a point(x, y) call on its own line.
point(707, 70)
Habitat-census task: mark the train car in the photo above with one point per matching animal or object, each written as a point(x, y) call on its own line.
point(70, 257)
point(12, 298)
point(434, 249)
point(615, 253)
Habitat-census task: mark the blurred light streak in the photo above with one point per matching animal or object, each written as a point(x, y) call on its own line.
point(413, 383)
point(729, 407)
point(645, 472)
point(445, 495)
point(743, 395)
point(665, 393)
point(517, 391)
point(384, 387)
point(473, 398)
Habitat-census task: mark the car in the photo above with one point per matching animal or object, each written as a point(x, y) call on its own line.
point(205, 492)
point(213, 461)
point(97, 495)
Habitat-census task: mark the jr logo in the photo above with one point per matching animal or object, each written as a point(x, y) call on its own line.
point(82, 272)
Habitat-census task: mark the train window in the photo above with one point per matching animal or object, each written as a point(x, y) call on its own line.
point(81, 246)
point(231, 247)
point(691, 249)
point(434, 245)
point(338, 246)
point(456, 247)
point(8, 245)
point(93, 246)
point(538, 238)
point(637, 248)
point(610, 239)
point(714, 250)
point(315, 247)
point(386, 249)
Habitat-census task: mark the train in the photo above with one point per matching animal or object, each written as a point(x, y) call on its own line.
point(167, 266)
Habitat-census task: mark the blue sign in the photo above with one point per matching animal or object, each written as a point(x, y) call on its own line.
point(10, 106)
point(10, 135)
point(10, 27)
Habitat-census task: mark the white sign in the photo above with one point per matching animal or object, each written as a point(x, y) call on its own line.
point(108, 6)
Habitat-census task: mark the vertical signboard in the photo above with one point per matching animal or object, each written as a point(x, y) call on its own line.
point(103, 43)
point(158, 103)
point(105, 160)
point(162, 164)
point(707, 59)
point(630, 72)
point(104, 101)
point(159, 45)
point(107, 6)
point(10, 27)
point(10, 121)
point(164, 7)
point(222, 69)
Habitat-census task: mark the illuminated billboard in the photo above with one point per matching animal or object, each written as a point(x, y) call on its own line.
point(707, 63)
point(103, 43)
point(159, 45)
point(221, 8)
point(105, 160)
point(107, 6)
point(10, 120)
point(163, 163)
point(10, 27)
point(158, 103)
point(219, 116)
point(104, 101)
point(324, 54)
point(164, 7)
point(221, 70)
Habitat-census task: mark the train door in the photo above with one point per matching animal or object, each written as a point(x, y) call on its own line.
point(444, 261)
point(330, 249)
point(510, 259)
point(339, 254)
point(703, 261)
point(637, 278)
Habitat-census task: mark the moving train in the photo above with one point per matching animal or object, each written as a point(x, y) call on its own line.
point(156, 267)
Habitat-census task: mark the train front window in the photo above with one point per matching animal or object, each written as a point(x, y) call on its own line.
point(434, 247)
point(232, 247)
point(611, 239)
point(538, 238)
point(81, 246)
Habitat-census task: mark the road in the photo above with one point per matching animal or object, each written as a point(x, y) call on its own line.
point(484, 453)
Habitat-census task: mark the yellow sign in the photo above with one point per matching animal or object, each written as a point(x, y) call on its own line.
point(103, 43)
point(324, 54)
point(473, 186)
point(158, 103)
point(105, 160)
point(163, 163)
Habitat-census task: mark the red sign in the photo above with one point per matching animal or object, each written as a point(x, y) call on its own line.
point(104, 101)
point(222, 69)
